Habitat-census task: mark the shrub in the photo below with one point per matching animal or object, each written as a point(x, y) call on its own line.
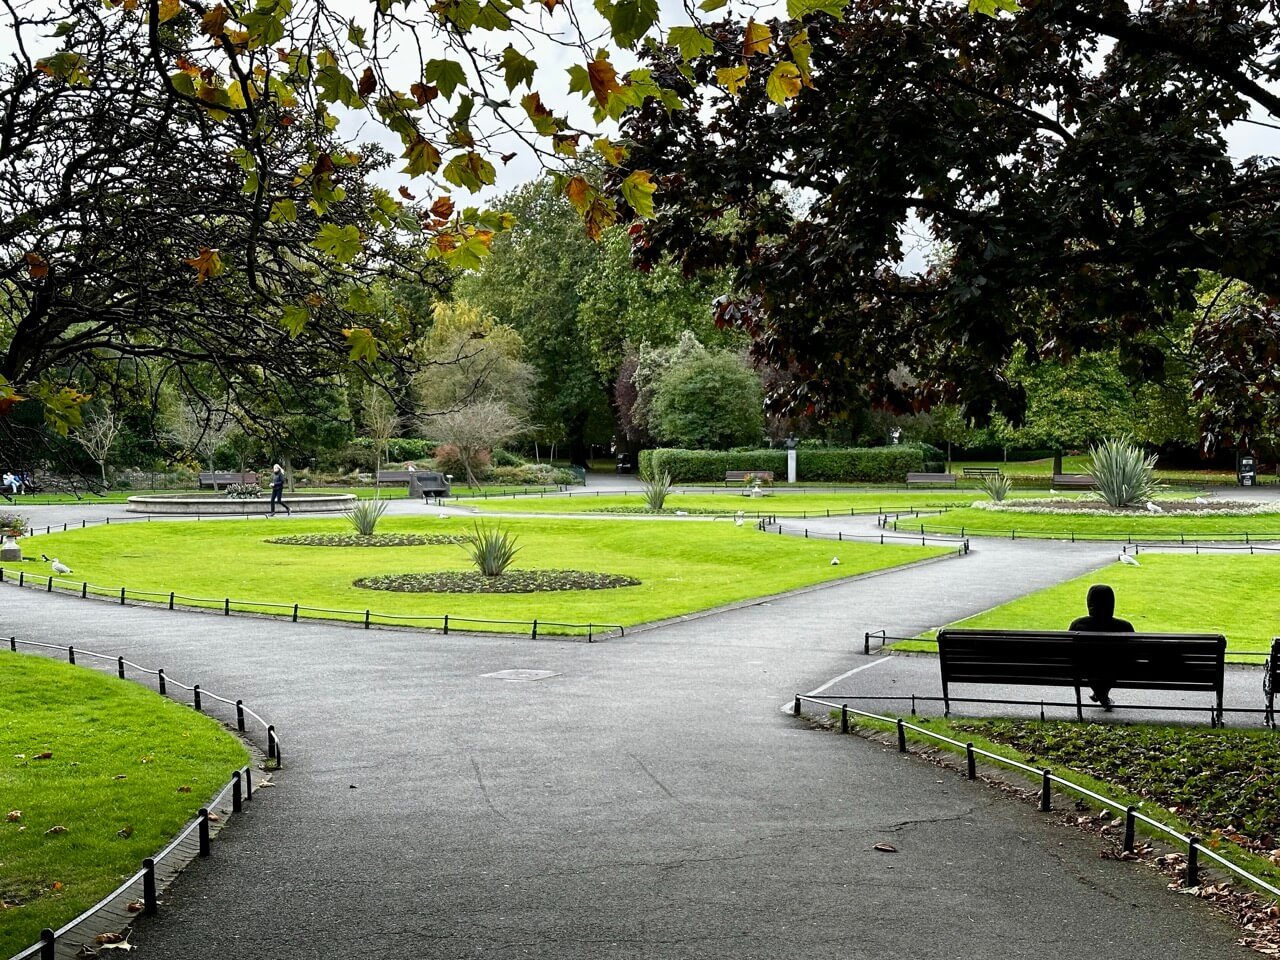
point(448, 460)
point(505, 458)
point(532, 474)
point(364, 516)
point(1125, 477)
point(858, 464)
point(656, 488)
point(242, 491)
point(996, 486)
point(709, 400)
point(491, 549)
point(12, 524)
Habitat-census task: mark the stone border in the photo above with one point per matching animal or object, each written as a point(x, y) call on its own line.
point(225, 506)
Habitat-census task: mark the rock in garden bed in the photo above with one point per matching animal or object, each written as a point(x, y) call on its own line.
point(513, 581)
point(377, 540)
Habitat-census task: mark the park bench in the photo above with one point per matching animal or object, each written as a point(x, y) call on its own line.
point(1062, 658)
point(971, 472)
point(217, 479)
point(740, 476)
point(1074, 481)
point(931, 479)
point(422, 483)
point(1270, 677)
point(394, 476)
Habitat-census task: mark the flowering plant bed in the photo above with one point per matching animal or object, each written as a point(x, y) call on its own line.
point(513, 581)
point(1170, 508)
point(377, 540)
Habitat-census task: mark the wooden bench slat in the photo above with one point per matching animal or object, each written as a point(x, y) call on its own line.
point(931, 478)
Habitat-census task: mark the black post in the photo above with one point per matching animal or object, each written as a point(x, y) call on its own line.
point(902, 736)
point(170, 599)
point(248, 783)
point(13, 644)
point(1046, 797)
point(591, 633)
point(971, 762)
point(446, 624)
point(22, 578)
point(122, 596)
point(271, 742)
point(71, 655)
point(240, 715)
point(47, 941)
point(204, 832)
point(149, 886)
point(237, 802)
point(844, 718)
point(196, 690)
point(366, 619)
point(120, 667)
point(295, 613)
point(1129, 822)
point(226, 607)
point(49, 585)
point(160, 677)
point(866, 643)
point(84, 590)
point(1193, 861)
point(534, 633)
point(795, 711)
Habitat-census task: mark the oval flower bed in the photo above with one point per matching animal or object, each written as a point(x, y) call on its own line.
point(513, 581)
point(377, 540)
point(1170, 508)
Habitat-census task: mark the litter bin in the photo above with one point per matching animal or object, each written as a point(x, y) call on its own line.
point(1247, 471)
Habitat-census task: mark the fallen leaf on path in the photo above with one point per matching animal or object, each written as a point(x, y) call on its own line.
point(885, 847)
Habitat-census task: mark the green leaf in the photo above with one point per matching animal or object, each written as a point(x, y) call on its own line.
point(492, 17)
point(710, 5)
point(690, 41)
point(362, 343)
point(801, 50)
point(990, 8)
point(361, 300)
point(336, 87)
point(355, 34)
point(295, 318)
point(629, 20)
point(341, 243)
point(265, 26)
point(447, 75)
point(517, 68)
point(468, 255)
point(423, 158)
point(799, 8)
point(470, 170)
point(638, 191)
point(66, 66)
point(732, 78)
point(61, 406)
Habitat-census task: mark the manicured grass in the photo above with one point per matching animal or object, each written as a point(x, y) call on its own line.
point(1082, 526)
point(1222, 785)
point(1079, 463)
point(683, 565)
point(363, 492)
point(118, 756)
point(1168, 593)
point(780, 503)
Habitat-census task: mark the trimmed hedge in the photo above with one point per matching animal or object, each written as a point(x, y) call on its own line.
point(864, 464)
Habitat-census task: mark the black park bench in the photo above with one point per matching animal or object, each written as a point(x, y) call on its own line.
point(423, 483)
point(1074, 481)
point(740, 476)
point(931, 479)
point(980, 472)
point(1063, 658)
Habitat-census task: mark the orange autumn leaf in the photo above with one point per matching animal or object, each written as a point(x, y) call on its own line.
point(757, 39)
point(442, 208)
point(207, 264)
point(37, 266)
point(214, 22)
point(604, 80)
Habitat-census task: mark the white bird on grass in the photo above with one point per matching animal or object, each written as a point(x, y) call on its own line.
point(1201, 500)
point(443, 515)
point(682, 513)
point(1153, 508)
point(1131, 561)
point(835, 561)
point(59, 566)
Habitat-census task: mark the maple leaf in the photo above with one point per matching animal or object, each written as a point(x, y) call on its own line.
point(341, 243)
point(214, 22)
point(362, 343)
point(368, 82)
point(580, 193)
point(732, 78)
point(424, 93)
point(784, 82)
point(604, 80)
point(757, 39)
point(442, 208)
point(206, 264)
point(638, 191)
point(404, 192)
point(37, 266)
point(168, 9)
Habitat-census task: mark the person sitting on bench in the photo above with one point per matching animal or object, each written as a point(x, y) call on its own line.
point(1101, 603)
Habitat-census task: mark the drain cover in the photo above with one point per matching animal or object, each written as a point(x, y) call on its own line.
point(525, 675)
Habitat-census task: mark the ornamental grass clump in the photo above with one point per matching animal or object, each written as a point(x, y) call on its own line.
point(491, 549)
point(657, 487)
point(1125, 477)
point(996, 486)
point(364, 517)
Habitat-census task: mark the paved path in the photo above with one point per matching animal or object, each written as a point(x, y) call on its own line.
point(650, 799)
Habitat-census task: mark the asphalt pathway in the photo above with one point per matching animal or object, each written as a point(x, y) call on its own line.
point(648, 798)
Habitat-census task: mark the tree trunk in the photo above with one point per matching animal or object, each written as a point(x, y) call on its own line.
point(1057, 462)
point(287, 462)
point(576, 431)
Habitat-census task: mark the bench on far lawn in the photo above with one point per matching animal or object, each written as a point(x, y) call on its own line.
point(1062, 658)
point(1074, 481)
point(931, 479)
point(970, 472)
point(740, 476)
point(222, 478)
point(422, 483)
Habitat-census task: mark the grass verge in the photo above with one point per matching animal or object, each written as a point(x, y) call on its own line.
point(683, 567)
point(967, 521)
point(122, 769)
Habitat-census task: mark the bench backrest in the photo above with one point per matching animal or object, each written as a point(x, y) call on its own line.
point(1073, 480)
point(743, 474)
point(981, 471)
point(229, 476)
point(930, 477)
point(395, 476)
point(1173, 661)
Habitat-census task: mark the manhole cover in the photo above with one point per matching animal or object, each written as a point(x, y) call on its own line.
point(521, 675)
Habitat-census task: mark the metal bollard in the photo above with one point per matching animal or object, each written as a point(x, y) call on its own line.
point(196, 692)
point(446, 624)
point(160, 677)
point(1130, 821)
point(170, 599)
point(149, 902)
point(1193, 864)
point(71, 655)
point(84, 590)
point(366, 619)
point(120, 667)
point(248, 783)
point(122, 596)
point(971, 761)
point(844, 718)
point(533, 635)
point(47, 941)
point(237, 802)
point(204, 832)
point(902, 737)
point(1046, 796)
point(240, 715)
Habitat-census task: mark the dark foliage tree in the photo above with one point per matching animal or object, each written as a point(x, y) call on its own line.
point(1069, 160)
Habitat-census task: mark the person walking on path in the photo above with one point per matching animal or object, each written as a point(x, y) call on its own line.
point(1101, 603)
point(277, 489)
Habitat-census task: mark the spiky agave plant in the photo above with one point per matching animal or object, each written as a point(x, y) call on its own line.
point(656, 489)
point(491, 549)
point(364, 516)
point(1125, 477)
point(996, 486)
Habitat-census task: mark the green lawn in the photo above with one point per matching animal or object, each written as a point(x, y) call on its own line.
point(781, 502)
point(684, 566)
point(1079, 463)
point(118, 756)
point(363, 492)
point(1169, 593)
point(973, 522)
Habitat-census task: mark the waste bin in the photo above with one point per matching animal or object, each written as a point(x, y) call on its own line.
point(1247, 471)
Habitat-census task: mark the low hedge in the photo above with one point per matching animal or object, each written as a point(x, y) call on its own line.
point(865, 464)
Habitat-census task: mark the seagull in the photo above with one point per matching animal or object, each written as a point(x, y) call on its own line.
point(1131, 561)
point(1201, 500)
point(59, 566)
point(1053, 491)
point(682, 513)
point(835, 561)
point(737, 521)
point(1153, 508)
point(443, 515)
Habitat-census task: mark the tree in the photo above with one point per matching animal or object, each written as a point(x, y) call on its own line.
point(199, 428)
point(467, 357)
point(97, 433)
point(381, 423)
point(1074, 196)
point(709, 401)
point(474, 430)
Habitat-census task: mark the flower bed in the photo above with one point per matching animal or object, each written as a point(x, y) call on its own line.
point(513, 581)
point(377, 540)
point(1169, 508)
